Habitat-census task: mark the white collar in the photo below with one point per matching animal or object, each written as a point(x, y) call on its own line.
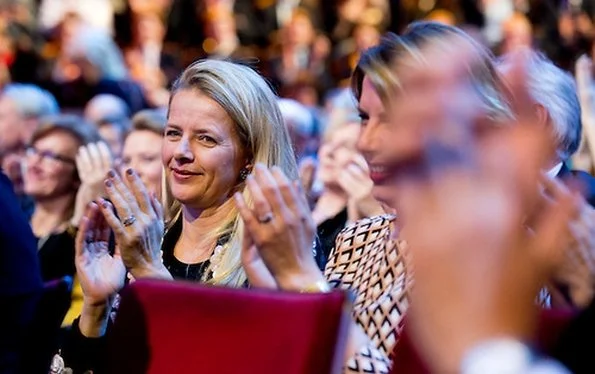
point(553, 172)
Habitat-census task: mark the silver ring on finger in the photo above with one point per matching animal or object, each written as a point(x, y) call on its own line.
point(129, 220)
point(266, 218)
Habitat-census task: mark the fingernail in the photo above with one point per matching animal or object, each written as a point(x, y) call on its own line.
point(129, 171)
point(260, 166)
point(111, 174)
point(108, 183)
point(103, 203)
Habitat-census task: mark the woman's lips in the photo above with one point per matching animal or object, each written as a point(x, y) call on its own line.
point(379, 173)
point(180, 174)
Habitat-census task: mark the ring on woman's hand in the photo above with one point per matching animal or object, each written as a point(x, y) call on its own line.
point(266, 218)
point(129, 220)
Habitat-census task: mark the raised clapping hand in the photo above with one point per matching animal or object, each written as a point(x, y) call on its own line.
point(93, 161)
point(138, 226)
point(354, 179)
point(101, 274)
point(576, 269)
point(279, 226)
point(477, 268)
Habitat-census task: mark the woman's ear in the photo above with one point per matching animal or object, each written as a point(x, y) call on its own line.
point(541, 114)
point(246, 170)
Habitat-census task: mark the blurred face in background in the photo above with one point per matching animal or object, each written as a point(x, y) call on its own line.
point(12, 142)
point(336, 152)
point(114, 137)
point(366, 36)
point(518, 34)
point(142, 152)
point(149, 28)
point(50, 166)
point(300, 31)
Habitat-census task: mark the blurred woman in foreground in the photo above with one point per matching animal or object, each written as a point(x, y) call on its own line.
point(368, 258)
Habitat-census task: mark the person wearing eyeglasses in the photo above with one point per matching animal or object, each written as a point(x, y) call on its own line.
point(51, 179)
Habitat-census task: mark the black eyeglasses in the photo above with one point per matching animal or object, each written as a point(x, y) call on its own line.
point(49, 156)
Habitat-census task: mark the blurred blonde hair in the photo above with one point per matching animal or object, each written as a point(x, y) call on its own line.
point(252, 105)
point(379, 64)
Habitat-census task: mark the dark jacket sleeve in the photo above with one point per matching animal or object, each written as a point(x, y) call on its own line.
point(83, 354)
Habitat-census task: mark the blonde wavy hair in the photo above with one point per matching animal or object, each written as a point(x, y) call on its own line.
point(251, 104)
point(379, 64)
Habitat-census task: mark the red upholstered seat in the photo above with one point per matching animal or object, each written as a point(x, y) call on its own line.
point(176, 327)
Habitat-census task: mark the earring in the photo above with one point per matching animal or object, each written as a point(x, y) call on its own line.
point(244, 174)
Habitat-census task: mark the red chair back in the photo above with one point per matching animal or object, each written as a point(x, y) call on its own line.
point(177, 327)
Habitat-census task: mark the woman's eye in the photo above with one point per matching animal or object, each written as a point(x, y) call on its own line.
point(149, 158)
point(206, 139)
point(363, 118)
point(172, 133)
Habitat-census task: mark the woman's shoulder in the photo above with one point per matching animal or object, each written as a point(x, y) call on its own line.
point(369, 228)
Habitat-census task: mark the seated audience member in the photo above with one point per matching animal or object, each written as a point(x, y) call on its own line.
point(111, 115)
point(346, 191)
point(91, 65)
point(105, 106)
point(142, 148)
point(517, 34)
point(302, 56)
point(223, 119)
point(20, 280)
point(52, 180)
point(21, 107)
point(557, 109)
point(302, 127)
point(369, 255)
point(60, 187)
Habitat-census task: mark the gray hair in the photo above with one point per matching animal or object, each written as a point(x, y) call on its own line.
point(555, 90)
point(98, 47)
point(105, 107)
point(31, 101)
point(297, 116)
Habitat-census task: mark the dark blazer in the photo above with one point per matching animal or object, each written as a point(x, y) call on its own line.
point(574, 348)
point(20, 280)
point(19, 266)
point(586, 181)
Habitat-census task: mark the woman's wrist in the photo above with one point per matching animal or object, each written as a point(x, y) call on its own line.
point(154, 271)
point(306, 280)
point(94, 318)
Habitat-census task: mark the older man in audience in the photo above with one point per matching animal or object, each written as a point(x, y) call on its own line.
point(557, 108)
point(21, 108)
point(111, 115)
point(301, 123)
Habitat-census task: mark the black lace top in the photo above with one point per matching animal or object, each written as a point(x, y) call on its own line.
point(177, 268)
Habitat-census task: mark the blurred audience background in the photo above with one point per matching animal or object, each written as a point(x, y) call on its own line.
point(98, 74)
